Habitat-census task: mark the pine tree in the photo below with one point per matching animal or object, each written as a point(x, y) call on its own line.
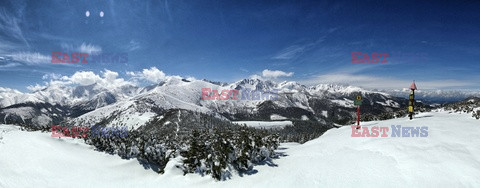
point(194, 154)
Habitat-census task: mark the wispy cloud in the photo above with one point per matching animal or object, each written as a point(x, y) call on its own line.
point(9, 25)
point(133, 45)
point(296, 50)
point(7, 46)
point(90, 48)
point(84, 47)
point(30, 58)
point(8, 65)
point(290, 52)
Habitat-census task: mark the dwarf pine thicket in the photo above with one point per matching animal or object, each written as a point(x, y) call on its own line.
point(215, 152)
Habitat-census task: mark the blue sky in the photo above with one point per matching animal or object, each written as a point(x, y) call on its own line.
point(436, 43)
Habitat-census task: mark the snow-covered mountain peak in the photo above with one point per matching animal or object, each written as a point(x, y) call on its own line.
point(254, 84)
point(291, 85)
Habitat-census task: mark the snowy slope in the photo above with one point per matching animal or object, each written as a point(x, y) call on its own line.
point(448, 157)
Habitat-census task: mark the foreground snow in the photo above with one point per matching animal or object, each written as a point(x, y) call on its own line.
point(448, 157)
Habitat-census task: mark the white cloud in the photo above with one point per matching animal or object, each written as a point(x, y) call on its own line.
point(36, 87)
point(51, 76)
point(191, 78)
point(111, 81)
point(84, 78)
point(110, 75)
point(108, 79)
point(256, 77)
point(153, 75)
point(130, 73)
point(275, 73)
point(62, 82)
point(4, 89)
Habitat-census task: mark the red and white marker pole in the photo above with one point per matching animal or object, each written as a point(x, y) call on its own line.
point(358, 117)
point(358, 103)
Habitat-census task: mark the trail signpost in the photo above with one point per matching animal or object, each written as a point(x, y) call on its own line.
point(411, 102)
point(358, 103)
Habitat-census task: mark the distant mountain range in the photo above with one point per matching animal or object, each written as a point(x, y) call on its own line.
point(135, 106)
point(437, 96)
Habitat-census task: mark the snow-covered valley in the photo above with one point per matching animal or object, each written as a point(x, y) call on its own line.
point(448, 157)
